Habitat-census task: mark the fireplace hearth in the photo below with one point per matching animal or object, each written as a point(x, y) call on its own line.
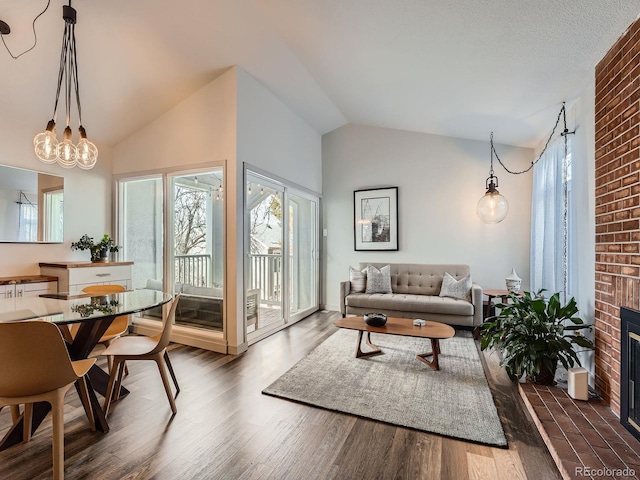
point(630, 370)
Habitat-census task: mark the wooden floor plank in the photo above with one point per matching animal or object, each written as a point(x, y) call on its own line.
point(226, 429)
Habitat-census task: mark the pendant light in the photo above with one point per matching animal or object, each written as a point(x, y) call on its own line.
point(492, 207)
point(46, 145)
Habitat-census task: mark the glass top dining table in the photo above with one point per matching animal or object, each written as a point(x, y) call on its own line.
point(93, 314)
point(63, 308)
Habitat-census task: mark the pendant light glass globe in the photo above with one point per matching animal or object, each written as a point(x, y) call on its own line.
point(67, 152)
point(87, 152)
point(492, 207)
point(46, 144)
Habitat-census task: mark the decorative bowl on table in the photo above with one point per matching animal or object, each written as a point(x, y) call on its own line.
point(375, 319)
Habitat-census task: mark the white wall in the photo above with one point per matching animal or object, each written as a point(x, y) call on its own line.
point(582, 117)
point(271, 136)
point(198, 130)
point(440, 181)
point(87, 201)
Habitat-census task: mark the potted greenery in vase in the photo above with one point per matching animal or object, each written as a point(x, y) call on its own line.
point(100, 250)
point(535, 334)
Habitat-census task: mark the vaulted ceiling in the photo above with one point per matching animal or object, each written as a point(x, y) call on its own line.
point(461, 68)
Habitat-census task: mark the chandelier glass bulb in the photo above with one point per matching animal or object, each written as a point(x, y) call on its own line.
point(87, 152)
point(492, 207)
point(67, 152)
point(46, 144)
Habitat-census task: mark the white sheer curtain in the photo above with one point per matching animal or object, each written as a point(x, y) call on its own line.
point(549, 220)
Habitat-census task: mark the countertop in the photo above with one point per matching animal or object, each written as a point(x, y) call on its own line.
point(19, 279)
point(83, 264)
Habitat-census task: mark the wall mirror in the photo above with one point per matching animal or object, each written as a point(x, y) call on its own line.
point(31, 206)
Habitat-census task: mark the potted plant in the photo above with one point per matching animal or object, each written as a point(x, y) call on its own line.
point(100, 250)
point(535, 334)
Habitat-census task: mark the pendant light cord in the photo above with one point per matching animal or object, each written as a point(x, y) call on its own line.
point(561, 114)
point(35, 35)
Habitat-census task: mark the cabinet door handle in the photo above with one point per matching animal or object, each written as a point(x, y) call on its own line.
point(18, 293)
point(10, 294)
point(103, 274)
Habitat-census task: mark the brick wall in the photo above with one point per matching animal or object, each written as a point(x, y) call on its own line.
point(617, 142)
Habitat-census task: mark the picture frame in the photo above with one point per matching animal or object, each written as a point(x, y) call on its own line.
point(375, 213)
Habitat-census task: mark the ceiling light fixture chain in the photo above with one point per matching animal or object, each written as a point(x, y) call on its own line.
point(47, 147)
point(561, 114)
point(493, 207)
point(6, 30)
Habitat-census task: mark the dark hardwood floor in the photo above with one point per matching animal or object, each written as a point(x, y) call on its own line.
point(226, 429)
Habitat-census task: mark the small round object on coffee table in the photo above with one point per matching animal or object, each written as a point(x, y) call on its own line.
point(375, 319)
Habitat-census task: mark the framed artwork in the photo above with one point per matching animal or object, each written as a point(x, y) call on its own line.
point(376, 219)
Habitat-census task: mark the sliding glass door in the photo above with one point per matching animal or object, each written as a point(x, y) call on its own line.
point(303, 255)
point(265, 259)
point(281, 257)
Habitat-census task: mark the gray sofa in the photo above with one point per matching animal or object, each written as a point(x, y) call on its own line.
point(416, 289)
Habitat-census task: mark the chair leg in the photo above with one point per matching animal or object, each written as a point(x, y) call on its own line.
point(57, 404)
point(116, 394)
point(165, 380)
point(173, 375)
point(112, 380)
point(27, 421)
point(15, 412)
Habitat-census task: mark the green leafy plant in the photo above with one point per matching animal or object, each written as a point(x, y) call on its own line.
point(98, 250)
point(535, 334)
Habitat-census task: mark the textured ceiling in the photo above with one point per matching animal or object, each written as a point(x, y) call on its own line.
point(461, 68)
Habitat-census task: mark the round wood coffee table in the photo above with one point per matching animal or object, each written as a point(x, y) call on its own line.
point(435, 331)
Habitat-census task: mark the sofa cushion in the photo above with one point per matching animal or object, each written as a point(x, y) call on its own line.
point(456, 288)
point(421, 304)
point(378, 281)
point(202, 291)
point(358, 280)
point(420, 279)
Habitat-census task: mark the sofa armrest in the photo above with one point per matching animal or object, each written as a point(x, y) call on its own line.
point(345, 288)
point(478, 308)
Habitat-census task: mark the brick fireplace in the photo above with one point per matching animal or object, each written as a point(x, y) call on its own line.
point(617, 199)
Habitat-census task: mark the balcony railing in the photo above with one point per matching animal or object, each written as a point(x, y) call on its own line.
point(193, 269)
point(265, 274)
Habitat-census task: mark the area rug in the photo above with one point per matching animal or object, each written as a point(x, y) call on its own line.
point(398, 389)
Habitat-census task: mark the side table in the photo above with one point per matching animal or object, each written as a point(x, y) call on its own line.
point(491, 294)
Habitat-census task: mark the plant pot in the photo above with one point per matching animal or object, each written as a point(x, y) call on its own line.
point(103, 256)
point(545, 377)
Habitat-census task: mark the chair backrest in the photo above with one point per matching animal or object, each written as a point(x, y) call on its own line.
point(103, 289)
point(34, 359)
point(165, 336)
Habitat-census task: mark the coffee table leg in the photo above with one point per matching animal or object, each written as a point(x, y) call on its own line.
point(435, 351)
point(359, 352)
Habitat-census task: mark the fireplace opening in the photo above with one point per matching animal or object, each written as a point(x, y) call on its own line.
point(630, 374)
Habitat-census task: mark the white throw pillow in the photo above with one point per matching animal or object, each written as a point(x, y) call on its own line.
point(358, 280)
point(378, 281)
point(453, 288)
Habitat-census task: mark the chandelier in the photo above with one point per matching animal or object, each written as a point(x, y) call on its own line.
point(493, 207)
point(47, 147)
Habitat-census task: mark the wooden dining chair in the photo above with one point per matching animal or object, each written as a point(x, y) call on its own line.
point(136, 347)
point(118, 327)
point(36, 368)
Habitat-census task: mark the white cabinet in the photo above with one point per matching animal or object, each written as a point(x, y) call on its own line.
point(29, 286)
point(74, 276)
